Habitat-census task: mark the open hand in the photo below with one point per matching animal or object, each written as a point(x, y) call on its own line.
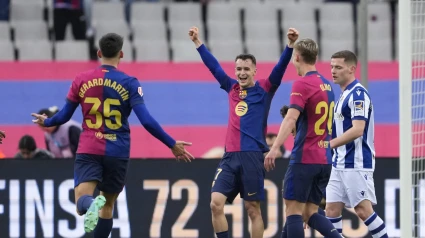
point(39, 119)
point(180, 152)
point(269, 160)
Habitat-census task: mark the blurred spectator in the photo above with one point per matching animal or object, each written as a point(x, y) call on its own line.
point(61, 141)
point(28, 149)
point(2, 136)
point(4, 10)
point(270, 138)
point(69, 11)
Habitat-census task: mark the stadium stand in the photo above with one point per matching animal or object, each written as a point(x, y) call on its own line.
point(332, 24)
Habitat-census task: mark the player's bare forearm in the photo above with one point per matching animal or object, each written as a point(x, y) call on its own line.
point(353, 133)
point(197, 43)
point(286, 128)
point(280, 68)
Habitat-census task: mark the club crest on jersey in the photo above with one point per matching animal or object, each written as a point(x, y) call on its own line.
point(139, 90)
point(241, 108)
point(243, 94)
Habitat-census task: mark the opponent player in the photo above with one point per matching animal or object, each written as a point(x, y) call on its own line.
point(2, 136)
point(241, 169)
point(107, 97)
point(351, 182)
point(310, 113)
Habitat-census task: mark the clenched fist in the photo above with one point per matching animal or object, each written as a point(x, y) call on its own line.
point(292, 36)
point(194, 36)
point(193, 33)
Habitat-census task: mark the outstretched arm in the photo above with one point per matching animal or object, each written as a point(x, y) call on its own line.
point(211, 62)
point(278, 71)
point(152, 126)
point(59, 118)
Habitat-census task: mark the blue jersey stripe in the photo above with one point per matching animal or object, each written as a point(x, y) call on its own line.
point(347, 124)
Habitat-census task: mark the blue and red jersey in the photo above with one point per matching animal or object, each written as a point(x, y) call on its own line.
point(313, 96)
point(70, 4)
point(106, 96)
point(248, 107)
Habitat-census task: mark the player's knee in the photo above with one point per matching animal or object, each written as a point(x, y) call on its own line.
point(333, 210)
point(216, 207)
point(253, 209)
point(364, 210)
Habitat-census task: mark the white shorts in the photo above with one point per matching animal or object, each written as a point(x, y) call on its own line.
point(350, 187)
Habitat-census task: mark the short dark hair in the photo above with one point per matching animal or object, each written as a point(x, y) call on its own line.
point(27, 142)
point(348, 56)
point(110, 45)
point(308, 50)
point(247, 56)
point(284, 111)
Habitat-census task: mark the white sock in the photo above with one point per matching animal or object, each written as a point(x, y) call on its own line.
point(376, 226)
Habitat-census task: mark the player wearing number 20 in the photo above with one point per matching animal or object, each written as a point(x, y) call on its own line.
point(351, 182)
point(310, 113)
point(107, 97)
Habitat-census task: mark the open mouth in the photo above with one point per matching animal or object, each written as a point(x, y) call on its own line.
point(243, 79)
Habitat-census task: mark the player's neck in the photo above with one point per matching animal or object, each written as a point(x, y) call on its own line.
point(307, 68)
point(345, 85)
point(110, 62)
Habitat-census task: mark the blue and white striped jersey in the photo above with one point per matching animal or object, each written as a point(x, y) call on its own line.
point(354, 104)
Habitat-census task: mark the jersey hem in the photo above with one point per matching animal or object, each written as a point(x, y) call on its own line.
point(352, 169)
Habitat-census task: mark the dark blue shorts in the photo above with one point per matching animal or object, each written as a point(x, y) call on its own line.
point(306, 182)
point(109, 171)
point(240, 172)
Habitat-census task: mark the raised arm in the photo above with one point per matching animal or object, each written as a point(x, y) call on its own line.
point(210, 61)
point(278, 71)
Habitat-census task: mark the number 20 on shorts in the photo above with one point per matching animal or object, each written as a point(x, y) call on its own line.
point(322, 108)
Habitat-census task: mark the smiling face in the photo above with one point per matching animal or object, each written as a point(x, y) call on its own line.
point(245, 70)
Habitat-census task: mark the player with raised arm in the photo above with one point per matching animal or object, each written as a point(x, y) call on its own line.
point(241, 170)
point(107, 97)
point(310, 113)
point(351, 182)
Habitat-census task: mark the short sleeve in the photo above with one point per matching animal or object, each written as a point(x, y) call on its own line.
point(136, 92)
point(73, 91)
point(298, 96)
point(359, 105)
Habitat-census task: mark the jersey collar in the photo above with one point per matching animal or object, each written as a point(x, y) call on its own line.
point(351, 85)
point(310, 73)
point(105, 66)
